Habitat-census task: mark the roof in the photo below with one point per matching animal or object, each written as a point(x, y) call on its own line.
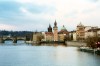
point(94, 30)
point(63, 28)
point(63, 32)
point(49, 33)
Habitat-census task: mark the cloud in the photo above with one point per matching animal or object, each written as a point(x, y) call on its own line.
point(71, 14)
point(93, 0)
point(33, 8)
point(7, 27)
point(24, 1)
point(31, 14)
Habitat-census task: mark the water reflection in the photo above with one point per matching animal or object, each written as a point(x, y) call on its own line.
point(27, 55)
point(10, 43)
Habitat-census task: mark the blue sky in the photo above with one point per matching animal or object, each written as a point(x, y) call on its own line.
point(32, 15)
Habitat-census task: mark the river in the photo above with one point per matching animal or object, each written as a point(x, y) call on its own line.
point(22, 54)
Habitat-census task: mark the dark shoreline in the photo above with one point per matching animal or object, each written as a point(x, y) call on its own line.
point(49, 43)
point(90, 51)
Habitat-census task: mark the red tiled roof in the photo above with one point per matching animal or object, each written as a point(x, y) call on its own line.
point(49, 33)
point(63, 32)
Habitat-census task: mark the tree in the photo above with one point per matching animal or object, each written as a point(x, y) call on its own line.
point(40, 37)
point(91, 41)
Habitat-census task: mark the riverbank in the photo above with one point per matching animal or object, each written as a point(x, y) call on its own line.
point(67, 43)
point(75, 43)
point(89, 50)
point(46, 43)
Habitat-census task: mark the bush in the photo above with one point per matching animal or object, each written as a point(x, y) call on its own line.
point(91, 42)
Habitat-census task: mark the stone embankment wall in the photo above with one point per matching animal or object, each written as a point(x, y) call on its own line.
point(75, 44)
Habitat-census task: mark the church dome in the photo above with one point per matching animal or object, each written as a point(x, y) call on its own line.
point(63, 28)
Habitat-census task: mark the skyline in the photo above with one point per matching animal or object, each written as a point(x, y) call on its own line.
point(32, 15)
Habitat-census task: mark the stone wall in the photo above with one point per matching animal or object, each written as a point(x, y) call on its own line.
point(76, 44)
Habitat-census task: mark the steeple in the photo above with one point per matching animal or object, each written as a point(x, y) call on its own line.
point(49, 28)
point(55, 24)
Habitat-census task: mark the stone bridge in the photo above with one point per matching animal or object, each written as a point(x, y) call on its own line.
point(14, 39)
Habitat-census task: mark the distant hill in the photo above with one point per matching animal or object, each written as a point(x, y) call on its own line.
point(15, 33)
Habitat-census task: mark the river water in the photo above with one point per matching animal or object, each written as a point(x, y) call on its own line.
point(22, 54)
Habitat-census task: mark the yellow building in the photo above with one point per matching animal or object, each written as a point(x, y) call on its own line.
point(80, 32)
point(63, 34)
point(37, 36)
point(48, 36)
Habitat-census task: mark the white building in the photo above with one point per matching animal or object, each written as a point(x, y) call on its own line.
point(74, 36)
point(98, 32)
point(90, 31)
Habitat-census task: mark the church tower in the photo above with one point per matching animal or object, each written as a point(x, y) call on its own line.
point(55, 28)
point(49, 28)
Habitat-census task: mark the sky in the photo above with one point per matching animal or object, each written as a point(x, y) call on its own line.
point(32, 15)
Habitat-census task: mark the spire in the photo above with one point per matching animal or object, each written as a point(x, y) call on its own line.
point(49, 28)
point(63, 26)
point(55, 24)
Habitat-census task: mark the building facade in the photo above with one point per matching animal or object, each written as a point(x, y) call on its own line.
point(63, 34)
point(37, 36)
point(80, 32)
point(83, 32)
point(55, 28)
point(49, 35)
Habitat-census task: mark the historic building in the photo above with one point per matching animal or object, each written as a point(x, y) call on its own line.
point(55, 28)
point(49, 35)
point(72, 36)
point(63, 34)
point(98, 32)
point(90, 31)
point(37, 36)
point(52, 34)
point(49, 28)
point(93, 32)
point(55, 35)
point(80, 32)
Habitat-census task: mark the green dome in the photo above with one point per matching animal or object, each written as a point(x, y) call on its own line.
point(63, 28)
